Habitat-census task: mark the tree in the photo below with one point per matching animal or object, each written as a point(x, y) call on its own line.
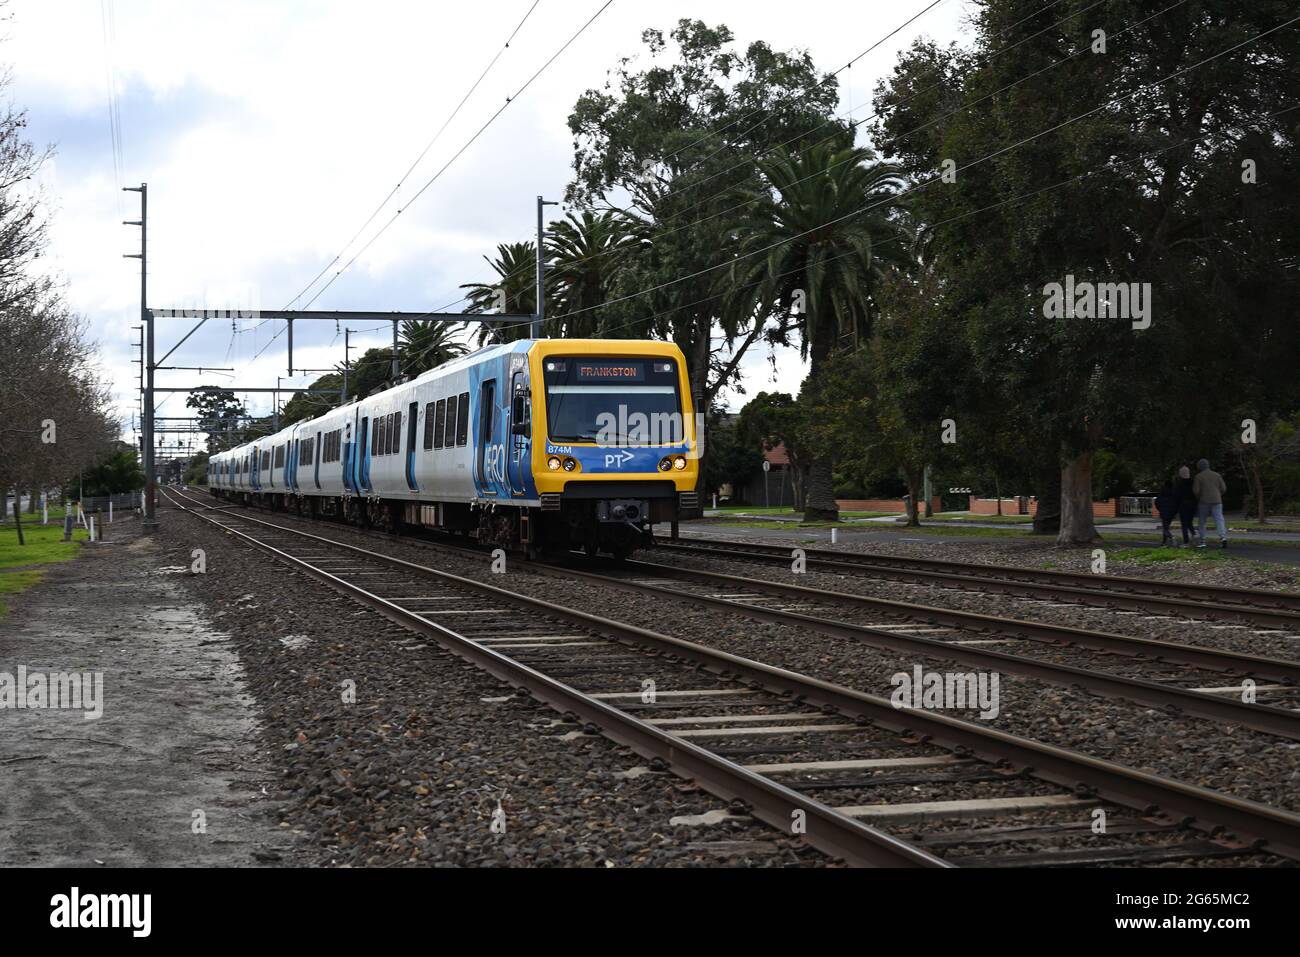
point(677, 138)
point(425, 345)
point(220, 414)
point(585, 256)
point(117, 473)
point(1130, 167)
point(814, 244)
point(772, 419)
point(513, 291)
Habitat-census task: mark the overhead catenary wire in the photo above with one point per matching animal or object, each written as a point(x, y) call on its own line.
point(917, 129)
point(1021, 197)
point(935, 178)
point(470, 142)
point(672, 216)
point(424, 152)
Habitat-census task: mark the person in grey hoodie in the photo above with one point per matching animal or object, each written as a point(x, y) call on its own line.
point(1208, 487)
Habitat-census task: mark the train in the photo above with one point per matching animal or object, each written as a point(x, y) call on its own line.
point(537, 445)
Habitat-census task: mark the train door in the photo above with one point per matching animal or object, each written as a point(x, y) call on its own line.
point(363, 453)
point(349, 458)
point(489, 450)
point(520, 432)
point(412, 414)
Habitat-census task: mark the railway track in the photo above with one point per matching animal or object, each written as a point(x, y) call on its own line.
point(1190, 678)
point(1257, 606)
point(846, 771)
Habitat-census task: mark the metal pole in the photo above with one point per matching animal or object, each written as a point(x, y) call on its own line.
point(275, 417)
point(147, 436)
point(347, 362)
point(289, 323)
point(539, 314)
point(396, 368)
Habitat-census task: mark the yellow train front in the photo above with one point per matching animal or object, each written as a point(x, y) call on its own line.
point(612, 439)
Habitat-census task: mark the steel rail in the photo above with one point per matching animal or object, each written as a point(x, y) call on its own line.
point(1260, 596)
point(1274, 829)
point(1274, 720)
point(1134, 601)
point(827, 830)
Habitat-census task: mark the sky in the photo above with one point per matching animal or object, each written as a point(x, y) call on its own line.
point(269, 131)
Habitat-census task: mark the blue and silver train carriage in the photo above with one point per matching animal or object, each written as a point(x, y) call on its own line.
point(553, 443)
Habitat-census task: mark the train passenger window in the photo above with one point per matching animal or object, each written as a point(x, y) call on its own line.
point(428, 426)
point(439, 423)
point(462, 422)
point(279, 456)
point(395, 437)
point(449, 437)
point(374, 438)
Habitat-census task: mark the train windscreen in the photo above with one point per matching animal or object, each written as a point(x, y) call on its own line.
point(613, 401)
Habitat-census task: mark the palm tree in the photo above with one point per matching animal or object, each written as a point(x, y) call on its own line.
point(427, 344)
point(512, 291)
point(812, 246)
point(585, 254)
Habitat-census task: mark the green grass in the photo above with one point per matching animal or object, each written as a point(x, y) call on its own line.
point(742, 510)
point(45, 546)
point(1161, 555)
point(993, 519)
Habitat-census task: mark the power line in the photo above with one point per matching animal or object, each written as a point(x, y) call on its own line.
point(424, 152)
point(436, 176)
point(965, 107)
point(960, 216)
point(893, 198)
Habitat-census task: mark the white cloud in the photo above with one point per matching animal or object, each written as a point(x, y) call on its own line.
point(268, 132)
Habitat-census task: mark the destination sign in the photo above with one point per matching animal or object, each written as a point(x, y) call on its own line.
point(610, 371)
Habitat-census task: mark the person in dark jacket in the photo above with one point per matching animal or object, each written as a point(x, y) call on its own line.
point(1167, 507)
point(1183, 488)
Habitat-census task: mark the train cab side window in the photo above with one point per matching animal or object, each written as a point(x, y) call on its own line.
point(439, 423)
point(462, 421)
point(428, 426)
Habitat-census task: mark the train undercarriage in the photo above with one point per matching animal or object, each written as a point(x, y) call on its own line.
point(596, 525)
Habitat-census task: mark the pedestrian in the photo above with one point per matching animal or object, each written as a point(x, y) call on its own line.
point(1167, 507)
point(1208, 487)
point(1186, 504)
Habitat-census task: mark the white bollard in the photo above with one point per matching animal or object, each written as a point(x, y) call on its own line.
point(90, 527)
point(110, 511)
point(45, 511)
point(835, 536)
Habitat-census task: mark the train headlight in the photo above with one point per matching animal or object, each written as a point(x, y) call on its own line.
point(553, 463)
point(665, 465)
point(679, 463)
point(570, 464)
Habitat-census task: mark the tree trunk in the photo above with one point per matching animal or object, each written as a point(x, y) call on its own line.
point(18, 518)
point(33, 503)
point(820, 506)
point(1047, 518)
point(1077, 526)
point(997, 490)
point(1257, 481)
point(913, 490)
